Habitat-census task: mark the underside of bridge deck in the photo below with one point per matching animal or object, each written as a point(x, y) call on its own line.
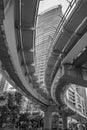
point(67, 62)
point(18, 19)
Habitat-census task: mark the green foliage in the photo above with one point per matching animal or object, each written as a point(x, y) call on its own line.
point(37, 120)
point(11, 116)
point(23, 121)
point(9, 112)
point(4, 113)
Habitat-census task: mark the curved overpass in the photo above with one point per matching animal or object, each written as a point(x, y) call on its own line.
point(16, 51)
point(66, 62)
point(17, 45)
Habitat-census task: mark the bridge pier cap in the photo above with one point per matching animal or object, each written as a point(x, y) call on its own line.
point(65, 75)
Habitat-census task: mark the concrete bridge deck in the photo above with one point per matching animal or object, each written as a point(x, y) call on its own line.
point(17, 38)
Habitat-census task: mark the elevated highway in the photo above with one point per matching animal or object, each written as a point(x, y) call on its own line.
point(67, 57)
point(17, 45)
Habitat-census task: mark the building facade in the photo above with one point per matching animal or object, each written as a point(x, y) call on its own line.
point(76, 99)
point(47, 23)
point(2, 83)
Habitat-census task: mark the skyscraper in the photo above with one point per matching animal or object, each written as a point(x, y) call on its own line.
point(2, 83)
point(47, 23)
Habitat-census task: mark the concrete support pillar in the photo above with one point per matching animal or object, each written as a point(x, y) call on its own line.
point(48, 118)
point(86, 126)
point(64, 121)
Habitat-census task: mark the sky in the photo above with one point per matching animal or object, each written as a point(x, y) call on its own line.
point(46, 4)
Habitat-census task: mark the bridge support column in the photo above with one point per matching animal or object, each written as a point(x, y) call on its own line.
point(64, 121)
point(74, 75)
point(48, 118)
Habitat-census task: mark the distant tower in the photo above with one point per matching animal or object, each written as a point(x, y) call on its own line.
point(2, 83)
point(47, 23)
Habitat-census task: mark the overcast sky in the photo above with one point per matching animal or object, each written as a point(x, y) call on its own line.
point(45, 4)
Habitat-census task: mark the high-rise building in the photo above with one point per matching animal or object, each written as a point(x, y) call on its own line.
point(76, 98)
point(2, 83)
point(5, 85)
point(47, 23)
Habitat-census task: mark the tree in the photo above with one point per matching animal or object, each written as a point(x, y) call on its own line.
point(14, 106)
point(37, 120)
point(4, 113)
point(9, 112)
point(23, 121)
point(3, 110)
